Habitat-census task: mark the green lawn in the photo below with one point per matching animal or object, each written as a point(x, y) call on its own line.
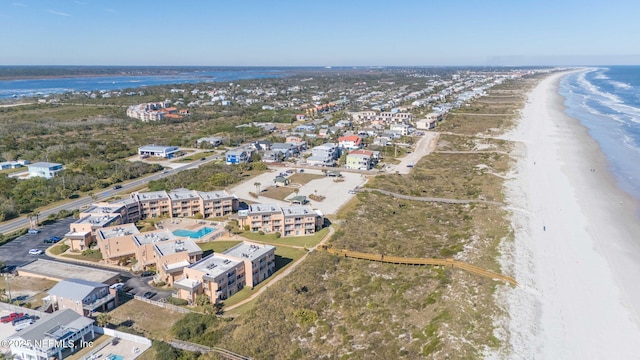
point(216, 246)
point(284, 257)
point(305, 241)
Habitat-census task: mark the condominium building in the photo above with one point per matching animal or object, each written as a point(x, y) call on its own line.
point(185, 203)
point(296, 220)
point(220, 275)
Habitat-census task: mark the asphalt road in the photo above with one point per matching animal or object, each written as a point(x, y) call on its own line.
point(23, 222)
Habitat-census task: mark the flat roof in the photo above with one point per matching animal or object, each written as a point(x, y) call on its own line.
point(180, 245)
point(154, 147)
point(152, 195)
point(44, 164)
point(298, 210)
point(118, 230)
point(153, 236)
point(62, 271)
point(251, 251)
point(183, 194)
point(221, 194)
point(100, 221)
point(102, 209)
point(214, 265)
point(263, 208)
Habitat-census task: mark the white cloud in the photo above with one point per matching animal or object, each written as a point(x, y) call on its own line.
point(113, 11)
point(58, 13)
point(18, 4)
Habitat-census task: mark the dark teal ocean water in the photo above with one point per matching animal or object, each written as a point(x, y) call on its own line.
point(607, 101)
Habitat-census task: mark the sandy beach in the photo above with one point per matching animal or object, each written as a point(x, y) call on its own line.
point(576, 254)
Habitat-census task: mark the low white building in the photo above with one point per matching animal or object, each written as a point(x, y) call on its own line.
point(46, 170)
point(57, 336)
point(158, 150)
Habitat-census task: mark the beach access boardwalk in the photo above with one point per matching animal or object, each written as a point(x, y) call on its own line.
point(429, 199)
point(193, 347)
point(420, 261)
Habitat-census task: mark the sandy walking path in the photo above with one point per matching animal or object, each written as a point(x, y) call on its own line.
point(576, 253)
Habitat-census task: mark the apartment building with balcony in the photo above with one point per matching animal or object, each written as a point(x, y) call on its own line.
point(295, 220)
point(185, 203)
point(173, 256)
point(220, 275)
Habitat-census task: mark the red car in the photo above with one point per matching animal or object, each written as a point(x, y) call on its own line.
point(9, 318)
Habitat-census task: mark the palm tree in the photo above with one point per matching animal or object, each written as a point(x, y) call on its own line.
point(257, 185)
point(30, 217)
point(36, 213)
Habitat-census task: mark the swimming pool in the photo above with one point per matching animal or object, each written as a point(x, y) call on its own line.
point(114, 357)
point(194, 234)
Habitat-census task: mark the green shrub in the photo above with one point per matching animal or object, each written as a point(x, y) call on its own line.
point(177, 301)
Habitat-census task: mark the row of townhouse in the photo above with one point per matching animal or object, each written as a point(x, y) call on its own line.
point(295, 220)
point(383, 117)
point(175, 203)
point(220, 275)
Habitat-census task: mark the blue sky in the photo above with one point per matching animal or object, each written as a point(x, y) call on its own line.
point(328, 32)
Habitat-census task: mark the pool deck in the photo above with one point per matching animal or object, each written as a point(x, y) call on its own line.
point(194, 225)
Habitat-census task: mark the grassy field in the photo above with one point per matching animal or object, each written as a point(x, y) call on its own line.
point(153, 321)
point(303, 241)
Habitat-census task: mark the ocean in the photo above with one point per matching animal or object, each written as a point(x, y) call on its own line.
point(58, 85)
point(606, 100)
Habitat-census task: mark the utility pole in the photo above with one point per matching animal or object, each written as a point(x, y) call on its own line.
point(6, 278)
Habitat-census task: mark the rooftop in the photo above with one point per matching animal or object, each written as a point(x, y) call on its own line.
point(60, 271)
point(296, 210)
point(247, 250)
point(153, 236)
point(214, 265)
point(263, 208)
point(181, 245)
point(117, 231)
point(98, 221)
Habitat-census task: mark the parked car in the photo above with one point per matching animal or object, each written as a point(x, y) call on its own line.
point(147, 273)
point(117, 187)
point(9, 318)
point(33, 231)
point(351, 192)
point(22, 318)
point(117, 286)
point(203, 159)
point(148, 295)
point(36, 252)
point(52, 240)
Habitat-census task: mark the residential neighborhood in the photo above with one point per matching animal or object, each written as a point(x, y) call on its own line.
point(252, 198)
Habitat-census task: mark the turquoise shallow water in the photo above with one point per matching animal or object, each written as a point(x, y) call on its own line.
point(194, 234)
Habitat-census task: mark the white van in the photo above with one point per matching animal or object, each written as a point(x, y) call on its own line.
point(19, 325)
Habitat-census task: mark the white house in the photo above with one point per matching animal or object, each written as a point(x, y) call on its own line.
point(46, 170)
point(324, 155)
point(158, 150)
point(57, 336)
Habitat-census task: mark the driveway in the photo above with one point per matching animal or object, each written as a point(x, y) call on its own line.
point(425, 145)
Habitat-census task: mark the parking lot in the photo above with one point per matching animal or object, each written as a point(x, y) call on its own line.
point(335, 190)
point(16, 252)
